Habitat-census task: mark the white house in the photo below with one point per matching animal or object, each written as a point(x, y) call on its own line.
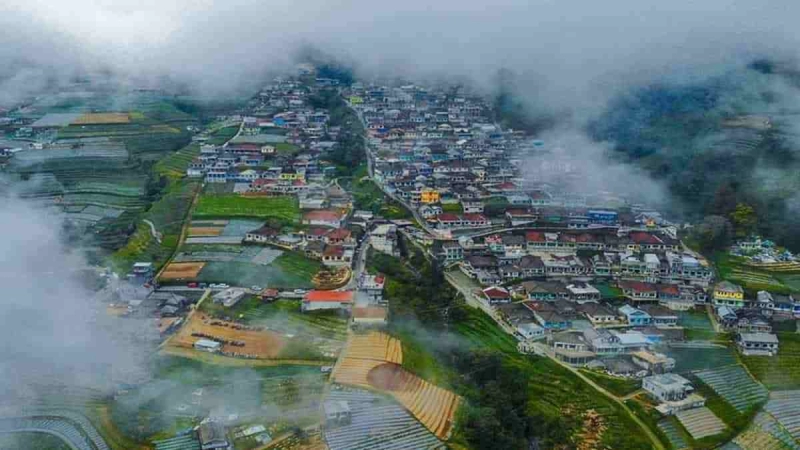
point(757, 344)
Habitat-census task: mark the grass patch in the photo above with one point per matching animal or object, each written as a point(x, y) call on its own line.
point(223, 135)
point(284, 209)
point(452, 208)
point(617, 386)
point(781, 371)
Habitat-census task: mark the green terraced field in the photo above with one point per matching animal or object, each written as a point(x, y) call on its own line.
point(781, 371)
point(285, 209)
point(175, 164)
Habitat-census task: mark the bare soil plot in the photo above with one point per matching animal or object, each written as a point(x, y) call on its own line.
point(205, 231)
point(236, 339)
point(184, 270)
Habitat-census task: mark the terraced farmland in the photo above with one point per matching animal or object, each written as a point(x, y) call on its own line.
point(781, 371)
point(754, 438)
point(433, 406)
point(285, 209)
point(377, 423)
point(784, 406)
point(700, 422)
point(175, 164)
point(768, 424)
point(735, 386)
point(373, 360)
point(672, 432)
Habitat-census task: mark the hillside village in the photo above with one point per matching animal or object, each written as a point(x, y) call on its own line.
point(272, 263)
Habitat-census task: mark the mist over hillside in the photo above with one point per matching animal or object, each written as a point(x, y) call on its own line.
point(715, 142)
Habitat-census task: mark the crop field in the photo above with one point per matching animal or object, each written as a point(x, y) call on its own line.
point(691, 359)
point(373, 360)
point(204, 231)
point(765, 434)
point(223, 135)
point(256, 255)
point(781, 371)
point(236, 339)
point(733, 384)
point(183, 392)
point(167, 215)
point(783, 407)
point(101, 119)
point(182, 270)
point(700, 422)
point(738, 270)
point(175, 164)
point(363, 353)
point(376, 420)
point(285, 209)
point(673, 433)
point(288, 270)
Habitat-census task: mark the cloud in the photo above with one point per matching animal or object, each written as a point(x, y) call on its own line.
point(572, 52)
point(53, 329)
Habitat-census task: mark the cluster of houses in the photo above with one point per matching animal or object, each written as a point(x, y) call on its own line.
point(752, 319)
point(762, 251)
point(278, 149)
point(440, 153)
point(647, 266)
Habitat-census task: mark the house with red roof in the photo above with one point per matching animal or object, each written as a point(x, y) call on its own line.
point(639, 291)
point(337, 255)
point(340, 236)
point(496, 295)
point(324, 217)
point(319, 300)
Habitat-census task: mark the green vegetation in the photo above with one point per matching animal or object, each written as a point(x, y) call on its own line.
point(283, 316)
point(616, 385)
point(781, 371)
point(733, 268)
point(735, 420)
point(284, 209)
point(223, 135)
point(510, 398)
point(167, 214)
point(682, 134)
point(175, 164)
point(453, 208)
point(640, 407)
point(349, 151)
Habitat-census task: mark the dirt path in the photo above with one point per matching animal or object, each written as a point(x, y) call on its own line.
point(153, 232)
point(227, 361)
point(618, 400)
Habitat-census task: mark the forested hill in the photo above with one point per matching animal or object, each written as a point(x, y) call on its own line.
point(726, 146)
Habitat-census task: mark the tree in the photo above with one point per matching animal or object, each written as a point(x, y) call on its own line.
point(744, 219)
point(714, 233)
